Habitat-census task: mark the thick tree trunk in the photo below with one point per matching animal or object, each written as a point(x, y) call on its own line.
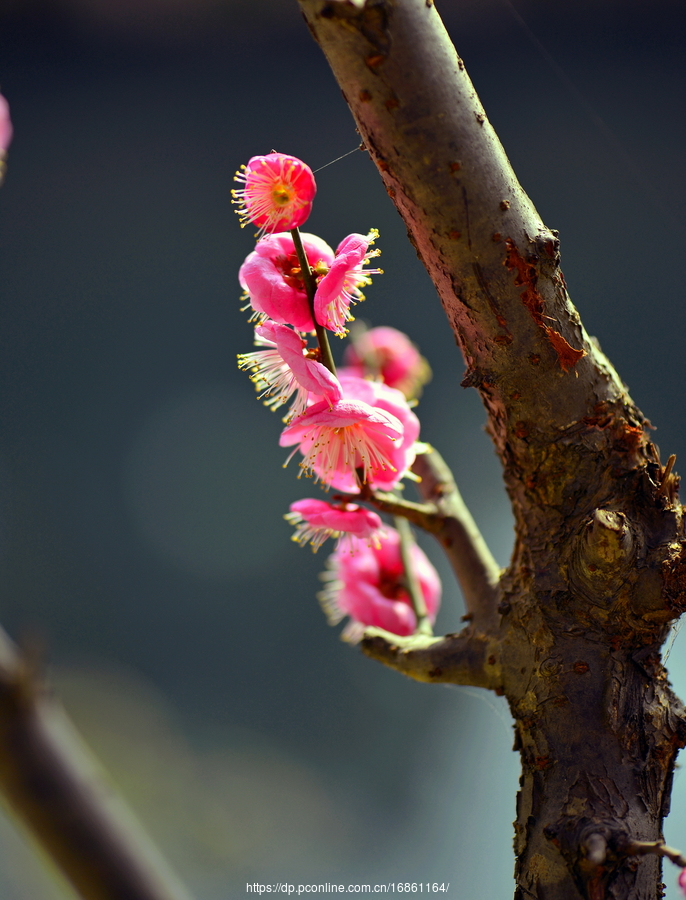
point(572, 632)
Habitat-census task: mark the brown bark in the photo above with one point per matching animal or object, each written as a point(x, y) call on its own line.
point(572, 634)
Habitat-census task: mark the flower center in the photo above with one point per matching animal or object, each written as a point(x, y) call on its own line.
point(391, 586)
point(290, 271)
point(281, 195)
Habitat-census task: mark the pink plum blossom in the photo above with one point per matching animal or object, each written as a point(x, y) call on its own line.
point(369, 588)
point(5, 126)
point(337, 441)
point(393, 402)
point(278, 192)
point(371, 428)
point(389, 354)
point(272, 278)
point(341, 285)
point(287, 368)
point(317, 520)
point(682, 882)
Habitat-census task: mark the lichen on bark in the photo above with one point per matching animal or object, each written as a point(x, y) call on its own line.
point(571, 632)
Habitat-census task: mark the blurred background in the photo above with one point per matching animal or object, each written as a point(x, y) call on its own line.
point(142, 543)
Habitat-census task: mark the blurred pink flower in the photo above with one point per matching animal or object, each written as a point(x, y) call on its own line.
point(278, 192)
point(341, 285)
point(272, 278)
point(369, 587)
point(6, 130)
point(337, 441)
point(317, 520)
point(285, 368)
point(682, 882)
point(390, 354)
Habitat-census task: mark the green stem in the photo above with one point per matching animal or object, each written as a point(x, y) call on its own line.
point(310, 289)
point(411, 581)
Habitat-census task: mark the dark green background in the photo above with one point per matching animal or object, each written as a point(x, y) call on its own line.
point(141, 538)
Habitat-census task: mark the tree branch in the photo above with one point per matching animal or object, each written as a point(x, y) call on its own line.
point(54, 785)
point(494, 263)
point(465, 658)
point(599, 565)
point(475, 568)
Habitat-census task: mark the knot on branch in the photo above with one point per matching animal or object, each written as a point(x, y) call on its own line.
point(603, 556)
point(594, 851)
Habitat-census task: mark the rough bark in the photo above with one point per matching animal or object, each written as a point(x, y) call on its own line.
point(573, 631)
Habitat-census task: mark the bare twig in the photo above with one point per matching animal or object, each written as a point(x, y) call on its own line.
point(465, 658)
point(414, 589)
point(477, 571)
point(655, 848)
point(55, 786)
point(423, 515)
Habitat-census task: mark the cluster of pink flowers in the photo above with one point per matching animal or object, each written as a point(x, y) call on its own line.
point(354, 429)
point(277, 196)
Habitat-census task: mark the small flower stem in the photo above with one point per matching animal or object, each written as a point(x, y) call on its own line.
point(310, 289)
point(411, 581)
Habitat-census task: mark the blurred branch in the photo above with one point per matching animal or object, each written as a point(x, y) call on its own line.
point(58, 790)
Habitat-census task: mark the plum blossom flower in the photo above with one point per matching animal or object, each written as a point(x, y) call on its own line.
point(371, 431)
point(338, 441)
point(317, 520)
point(5, 126)
point(340, 286)
point(682, 882)
point(286, 368)
point(272, 278)
point(389, 354)
point(369, 588)
point(403, 452)
point(278, 192)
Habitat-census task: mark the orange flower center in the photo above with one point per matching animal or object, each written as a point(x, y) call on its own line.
point(281, 195)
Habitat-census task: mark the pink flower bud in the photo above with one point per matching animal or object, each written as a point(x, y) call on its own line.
point(682, 882)
point(272, 278)
point(390, 354)
point(340, 287)
point(317, 520)
point(278, 192)
point(369, 588)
